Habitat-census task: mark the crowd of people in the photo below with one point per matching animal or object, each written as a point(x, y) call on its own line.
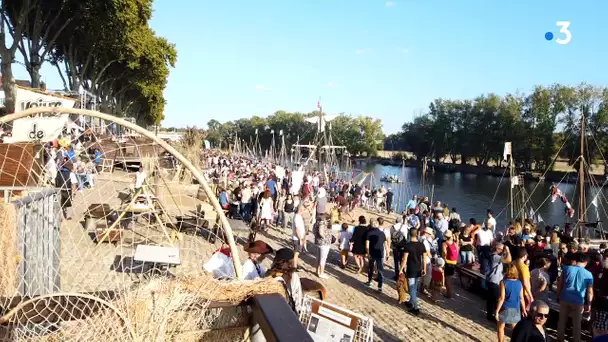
point(524, 267)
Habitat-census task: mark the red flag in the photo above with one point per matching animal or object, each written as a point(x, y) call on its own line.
point(319, 104)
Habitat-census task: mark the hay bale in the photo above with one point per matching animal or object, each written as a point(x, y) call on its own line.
point(9, 250)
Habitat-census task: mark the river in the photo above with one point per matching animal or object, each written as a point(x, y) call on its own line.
point(472, 194)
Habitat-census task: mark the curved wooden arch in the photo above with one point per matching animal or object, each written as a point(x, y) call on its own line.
point(196, 173)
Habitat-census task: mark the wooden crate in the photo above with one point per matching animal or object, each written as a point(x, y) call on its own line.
point(113, 237)
point(19, 165)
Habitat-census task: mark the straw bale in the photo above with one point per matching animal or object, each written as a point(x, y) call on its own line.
point(9, 252)
point(170, 310)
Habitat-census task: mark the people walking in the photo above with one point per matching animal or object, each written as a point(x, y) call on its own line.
point(414, 268)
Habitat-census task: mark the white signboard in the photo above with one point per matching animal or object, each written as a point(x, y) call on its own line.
point(279, 171)
point(322, 329)
point(329, 322)
point(27, 99)
point(43, 129)
point(297, 177)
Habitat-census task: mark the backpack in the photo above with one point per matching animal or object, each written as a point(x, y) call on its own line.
point(398, 239)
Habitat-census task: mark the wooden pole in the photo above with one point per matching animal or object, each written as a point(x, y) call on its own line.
point(581, 178)
point(511, 199)
point(183, 160)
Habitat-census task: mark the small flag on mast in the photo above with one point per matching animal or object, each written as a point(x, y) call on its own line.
point(319, 103)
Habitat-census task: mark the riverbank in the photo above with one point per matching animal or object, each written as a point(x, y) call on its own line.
point(561, 173)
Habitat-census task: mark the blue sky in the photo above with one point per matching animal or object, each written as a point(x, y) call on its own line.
point(388, 60)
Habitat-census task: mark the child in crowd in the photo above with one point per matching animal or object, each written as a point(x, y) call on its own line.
point(437, 278)
point(344, 242)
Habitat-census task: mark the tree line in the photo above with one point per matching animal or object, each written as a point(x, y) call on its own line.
point(538, 124)
point(104, 47)
point(360, 134)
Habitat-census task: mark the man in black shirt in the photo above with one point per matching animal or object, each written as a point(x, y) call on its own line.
point(413, 266)
point(389, 200)
point(375, 246)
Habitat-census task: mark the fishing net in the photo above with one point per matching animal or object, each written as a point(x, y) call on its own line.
point(93, 250)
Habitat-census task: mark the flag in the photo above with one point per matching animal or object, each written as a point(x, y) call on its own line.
point(594, 202)
point(319, 104)
point(531, 214)
point(539, 218)
point(506, 151)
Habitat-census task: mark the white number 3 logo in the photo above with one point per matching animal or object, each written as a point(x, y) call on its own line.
point(564, 29)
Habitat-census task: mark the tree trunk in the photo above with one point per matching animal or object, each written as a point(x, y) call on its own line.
point(8, 83)
point(35, 75)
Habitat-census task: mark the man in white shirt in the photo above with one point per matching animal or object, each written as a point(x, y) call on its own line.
point(298, 234)
point(484, 237)
point(252, 267)
point(246, 194)
point(441, 226)
point(140, 178)
point(491, 223)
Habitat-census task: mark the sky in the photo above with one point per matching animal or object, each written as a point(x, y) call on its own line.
point(382, 59)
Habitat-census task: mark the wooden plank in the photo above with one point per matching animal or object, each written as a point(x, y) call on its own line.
point(277, 320)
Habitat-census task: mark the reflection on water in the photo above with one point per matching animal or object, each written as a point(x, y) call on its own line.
point(472, 194)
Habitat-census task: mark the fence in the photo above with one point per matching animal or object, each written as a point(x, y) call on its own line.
point(38, 224)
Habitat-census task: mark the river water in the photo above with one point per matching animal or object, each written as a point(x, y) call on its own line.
point(473, 194)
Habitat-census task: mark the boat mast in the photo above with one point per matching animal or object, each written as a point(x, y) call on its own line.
point(581, 178)
point(511, 175)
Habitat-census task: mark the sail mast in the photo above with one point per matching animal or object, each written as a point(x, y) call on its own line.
point(581, 178)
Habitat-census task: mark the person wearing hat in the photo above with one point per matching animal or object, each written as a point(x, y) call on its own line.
point(257, 251)
point(429, 242)
point(282, 270)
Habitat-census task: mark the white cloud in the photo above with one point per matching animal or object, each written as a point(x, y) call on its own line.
point(261, 87)
point(363, 51)
point(331, 85)
point(390, 3)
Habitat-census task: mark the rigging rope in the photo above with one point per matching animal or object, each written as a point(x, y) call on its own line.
point(498, 187)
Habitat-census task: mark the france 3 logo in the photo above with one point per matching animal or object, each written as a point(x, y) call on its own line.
point(566, 35)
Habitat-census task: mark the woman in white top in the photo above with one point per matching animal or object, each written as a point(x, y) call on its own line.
point(252, 267)
point(282, 270)
point(266, 210)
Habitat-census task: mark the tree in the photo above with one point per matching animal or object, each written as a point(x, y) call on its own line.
point(479, 128)
point(360, 135)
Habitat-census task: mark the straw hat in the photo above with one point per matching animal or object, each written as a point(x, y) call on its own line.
point(429, 230)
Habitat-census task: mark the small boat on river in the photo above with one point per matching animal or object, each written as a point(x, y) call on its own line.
point(390, 179)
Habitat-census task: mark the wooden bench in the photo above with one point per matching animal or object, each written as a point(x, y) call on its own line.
point(469, 276)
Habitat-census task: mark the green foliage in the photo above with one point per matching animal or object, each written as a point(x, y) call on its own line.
point(477, 130)
point(360, 135)
point(105, 47)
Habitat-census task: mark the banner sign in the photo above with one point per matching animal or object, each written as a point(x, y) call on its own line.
point(42, 129)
